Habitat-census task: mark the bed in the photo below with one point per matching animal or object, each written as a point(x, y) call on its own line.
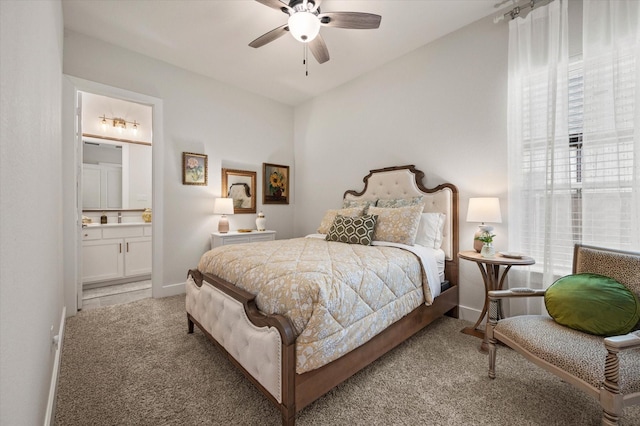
point(294, 341)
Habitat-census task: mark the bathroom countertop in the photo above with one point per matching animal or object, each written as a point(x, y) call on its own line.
point(111, 224)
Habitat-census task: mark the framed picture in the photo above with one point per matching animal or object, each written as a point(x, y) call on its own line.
point(241, 186)
point(195, 170)
point(275, 189)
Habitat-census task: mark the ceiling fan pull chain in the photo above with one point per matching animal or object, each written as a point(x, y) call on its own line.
point(305, 59)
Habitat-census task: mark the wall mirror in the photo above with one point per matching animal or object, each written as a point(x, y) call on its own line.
point(241, 186)
point(115, 175)
point(116, 154)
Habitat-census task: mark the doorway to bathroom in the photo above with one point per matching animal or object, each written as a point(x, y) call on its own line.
point(115, 194)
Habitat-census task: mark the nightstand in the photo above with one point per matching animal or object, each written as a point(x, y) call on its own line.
point(235, 237)
point(493, 280)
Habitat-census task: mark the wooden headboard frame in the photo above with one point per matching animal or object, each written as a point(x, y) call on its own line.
point(406, 182)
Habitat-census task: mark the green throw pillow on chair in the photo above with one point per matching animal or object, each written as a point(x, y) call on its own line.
point(594, 304)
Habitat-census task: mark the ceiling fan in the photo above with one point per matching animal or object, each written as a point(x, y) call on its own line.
point(305, 20)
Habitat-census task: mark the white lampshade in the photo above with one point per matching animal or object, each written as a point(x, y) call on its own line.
point(304, 26)
point(223, 206)
point(484, 209)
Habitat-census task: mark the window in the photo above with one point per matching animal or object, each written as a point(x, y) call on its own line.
point(594, 177)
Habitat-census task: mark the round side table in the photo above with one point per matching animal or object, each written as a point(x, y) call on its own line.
point(493, 280)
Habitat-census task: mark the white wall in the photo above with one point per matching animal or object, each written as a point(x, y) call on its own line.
point(236, 129)
point(441, 107)
point(31, 286)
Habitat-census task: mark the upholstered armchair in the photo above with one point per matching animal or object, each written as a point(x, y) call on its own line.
point(607, 368)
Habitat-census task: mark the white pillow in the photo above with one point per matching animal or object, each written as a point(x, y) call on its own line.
point(430, 230)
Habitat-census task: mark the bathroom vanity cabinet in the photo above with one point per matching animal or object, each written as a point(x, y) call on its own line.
point(116, 251)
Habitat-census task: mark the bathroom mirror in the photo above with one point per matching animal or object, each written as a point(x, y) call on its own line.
point(241, 186)
point(116, 175)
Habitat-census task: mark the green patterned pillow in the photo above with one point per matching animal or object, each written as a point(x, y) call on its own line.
point(594, 304)
point(346, 204)
point(399, 202)
point(397, 225)
point(353, 230)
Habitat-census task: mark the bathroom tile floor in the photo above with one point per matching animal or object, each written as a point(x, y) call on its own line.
point(115, 294)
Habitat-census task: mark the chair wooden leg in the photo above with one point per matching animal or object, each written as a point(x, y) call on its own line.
point(610, 396)
point(609, 419)
point(494, 309)
point(492, 358)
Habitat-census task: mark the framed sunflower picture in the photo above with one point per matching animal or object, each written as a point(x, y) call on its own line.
point(275, 189)
point(194, 169)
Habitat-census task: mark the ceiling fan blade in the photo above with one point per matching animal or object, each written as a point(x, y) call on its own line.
point(270, 36)
point(357, 20)
point(319, 49)
point(276, 4)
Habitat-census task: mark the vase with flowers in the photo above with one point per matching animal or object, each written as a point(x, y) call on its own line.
point(487, 244)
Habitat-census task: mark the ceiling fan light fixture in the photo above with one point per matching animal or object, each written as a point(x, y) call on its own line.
point(304, 26)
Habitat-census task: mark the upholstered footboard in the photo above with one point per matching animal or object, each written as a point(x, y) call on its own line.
point(262, 346)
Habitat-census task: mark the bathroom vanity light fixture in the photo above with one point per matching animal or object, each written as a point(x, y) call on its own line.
point(119, 124)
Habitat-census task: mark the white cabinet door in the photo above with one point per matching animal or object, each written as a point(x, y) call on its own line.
point(137, 256)
point(101, 186)
point(102, 260)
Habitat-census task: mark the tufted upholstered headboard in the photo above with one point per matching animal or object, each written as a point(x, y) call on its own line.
point(405, 182)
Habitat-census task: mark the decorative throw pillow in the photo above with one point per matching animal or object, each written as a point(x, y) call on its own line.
point(397, 225)
point(330, 215)
point(399, 202)
point(358, 203)
point(594, 304)
point(430, 230)
point(353, 230)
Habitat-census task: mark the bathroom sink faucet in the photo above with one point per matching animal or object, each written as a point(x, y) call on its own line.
point(119, 217)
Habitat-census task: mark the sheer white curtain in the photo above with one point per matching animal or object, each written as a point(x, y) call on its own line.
point(540, 192)
point(611, 129)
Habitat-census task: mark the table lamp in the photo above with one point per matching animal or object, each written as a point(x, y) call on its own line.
point(223, 206)
point(483, 209)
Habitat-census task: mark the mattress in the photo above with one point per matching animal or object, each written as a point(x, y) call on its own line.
point(337, 296)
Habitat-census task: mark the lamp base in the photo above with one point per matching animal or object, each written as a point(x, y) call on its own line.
point(477, 244)
point(223, 225)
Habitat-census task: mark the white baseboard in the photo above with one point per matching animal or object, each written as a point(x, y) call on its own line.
point(50, 415)
point(167, 290)
point(468, 314)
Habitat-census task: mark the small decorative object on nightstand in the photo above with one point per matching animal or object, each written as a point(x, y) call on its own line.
point(484, 209)
point(223, 206)
point(261, 222)
point(487, 244)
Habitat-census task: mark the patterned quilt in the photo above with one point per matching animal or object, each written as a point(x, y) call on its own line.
point(338, 296)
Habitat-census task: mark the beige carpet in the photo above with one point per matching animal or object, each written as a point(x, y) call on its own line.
point(135, 364)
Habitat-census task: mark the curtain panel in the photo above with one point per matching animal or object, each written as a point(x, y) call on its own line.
point(538, 138)
point(611, 126)
point(574, 133)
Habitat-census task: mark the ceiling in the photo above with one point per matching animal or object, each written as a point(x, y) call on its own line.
point(211, 38)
